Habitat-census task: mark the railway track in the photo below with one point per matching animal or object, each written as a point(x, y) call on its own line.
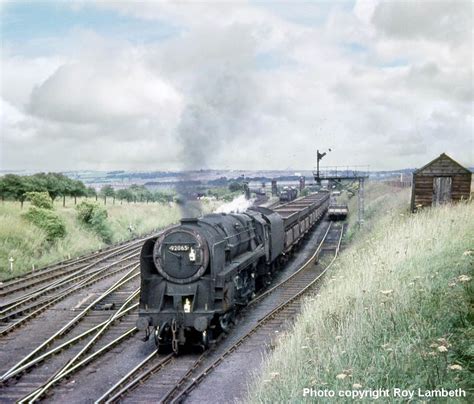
point(98, 327)
point(154, 377)
point(18, 312)
point(25, 298)
point(167, 378)
point(35, 280)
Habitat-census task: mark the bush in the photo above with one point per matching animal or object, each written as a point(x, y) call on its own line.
point(47, 220)
point(40, 200)
point(94, 217)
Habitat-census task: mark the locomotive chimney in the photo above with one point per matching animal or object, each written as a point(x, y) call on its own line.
point(247, 190)
point(274, 188)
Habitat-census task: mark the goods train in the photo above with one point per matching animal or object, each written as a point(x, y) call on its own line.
point(195, 276)
point(337, 211)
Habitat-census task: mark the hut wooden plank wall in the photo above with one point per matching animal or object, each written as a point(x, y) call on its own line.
point(440, 181)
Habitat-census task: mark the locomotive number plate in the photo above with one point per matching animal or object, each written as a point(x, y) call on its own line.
point(178, 247)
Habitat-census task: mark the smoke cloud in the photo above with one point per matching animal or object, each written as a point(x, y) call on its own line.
point(237, 205)
point(221, 104)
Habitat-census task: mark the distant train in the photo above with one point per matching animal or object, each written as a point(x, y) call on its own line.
point(195, 276)
point(288, 194)
point(338, 211)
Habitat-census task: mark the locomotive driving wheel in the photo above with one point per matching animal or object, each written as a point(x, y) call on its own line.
point(226, 320)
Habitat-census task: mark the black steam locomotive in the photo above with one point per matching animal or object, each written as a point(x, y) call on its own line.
point(288, 194)
point(196, 275)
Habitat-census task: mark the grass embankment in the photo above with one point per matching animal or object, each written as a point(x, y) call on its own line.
point(395, 311)
point(28, 244)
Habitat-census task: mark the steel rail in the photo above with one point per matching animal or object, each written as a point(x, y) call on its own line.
point(77, 278)
point(124, 279)
point(70, 262)
point(174, 398)
point(60, 282)
point(64, 345)
point(60, 374)
point(307, 264)
point(99, 352)
point(127, 382)
point(62, 295)
point(85, 361)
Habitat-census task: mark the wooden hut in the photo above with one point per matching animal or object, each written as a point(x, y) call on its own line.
point(441, 181)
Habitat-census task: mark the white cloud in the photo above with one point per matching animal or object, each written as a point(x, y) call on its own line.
point(241, 86)
point(89, 92)
point(434, 20)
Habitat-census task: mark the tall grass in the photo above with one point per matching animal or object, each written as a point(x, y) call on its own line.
point(395, 312)
point(28, 245)
point(380, 199)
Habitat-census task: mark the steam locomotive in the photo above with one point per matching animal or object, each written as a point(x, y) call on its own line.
point(288, 194)
point(195, 276)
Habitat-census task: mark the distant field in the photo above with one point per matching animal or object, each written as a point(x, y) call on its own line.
point(28, 246)
point(395, 311)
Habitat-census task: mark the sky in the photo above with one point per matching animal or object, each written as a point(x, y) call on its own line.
point(167, 85)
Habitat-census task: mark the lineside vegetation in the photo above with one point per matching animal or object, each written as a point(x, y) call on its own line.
point(23, 238)
point(395, 311)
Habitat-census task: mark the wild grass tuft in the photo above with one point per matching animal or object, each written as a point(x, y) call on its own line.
point(395, 311)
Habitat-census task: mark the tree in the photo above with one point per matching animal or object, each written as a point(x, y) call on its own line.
point(141, 193)
point(3, 188)
point(136, 191)
point(235, 186)
point(78, 189)
point(90, 191)
point(67, 187)
point(15, 187)
point(107, 191)
point(55, 184)
point(162, 197)
point(124, 195)
point(37, 184)
point(147, 195)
